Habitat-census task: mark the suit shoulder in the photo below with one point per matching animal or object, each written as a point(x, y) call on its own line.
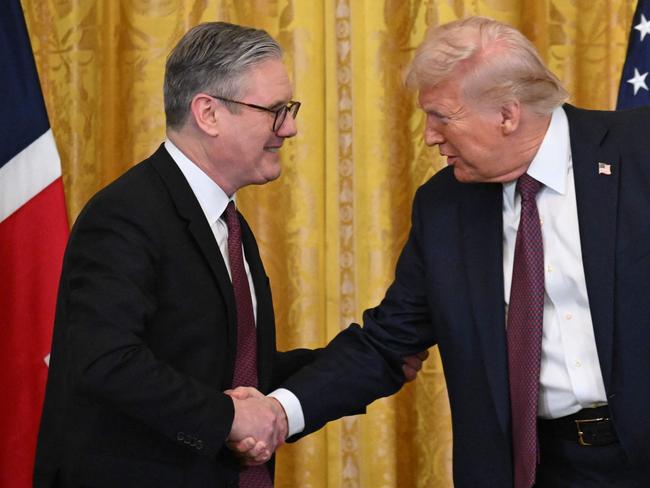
point(137, 190)
point(622, 129)
point(610, 118)
point(441, 184)
point(133, 183)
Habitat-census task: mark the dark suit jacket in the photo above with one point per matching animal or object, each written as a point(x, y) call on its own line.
point(448, 290)
point(144, 342)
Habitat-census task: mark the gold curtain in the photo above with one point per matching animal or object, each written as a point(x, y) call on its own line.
point(331, 227)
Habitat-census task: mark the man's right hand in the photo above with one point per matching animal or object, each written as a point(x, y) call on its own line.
point(259, 427)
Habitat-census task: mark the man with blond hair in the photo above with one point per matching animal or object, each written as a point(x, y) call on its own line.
point(528, 264)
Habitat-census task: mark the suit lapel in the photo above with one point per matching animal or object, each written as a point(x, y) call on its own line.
point(189, 209)
point(597, 196)
point(482, 228)
point(265, 319)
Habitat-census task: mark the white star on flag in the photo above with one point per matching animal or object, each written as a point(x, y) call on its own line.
point(638, 81)
point(643, 27)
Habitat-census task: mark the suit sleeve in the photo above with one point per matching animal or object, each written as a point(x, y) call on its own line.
point(288, 363)
point(109, 299)
point(361, 365)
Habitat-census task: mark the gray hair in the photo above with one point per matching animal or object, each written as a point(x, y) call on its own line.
point(494, 61)
point(212, 57)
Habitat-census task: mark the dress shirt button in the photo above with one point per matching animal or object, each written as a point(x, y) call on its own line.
point(568, 316)
point(549, 268)
point(577, 363)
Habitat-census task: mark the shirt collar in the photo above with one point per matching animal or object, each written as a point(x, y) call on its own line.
point(212, 199)
point(552, 163)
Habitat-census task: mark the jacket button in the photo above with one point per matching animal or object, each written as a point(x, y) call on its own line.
point(199, 444)
point(180, 436)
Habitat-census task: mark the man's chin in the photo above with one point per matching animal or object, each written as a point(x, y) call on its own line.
point(274, 173)
point(269, 176)
point(463, 176)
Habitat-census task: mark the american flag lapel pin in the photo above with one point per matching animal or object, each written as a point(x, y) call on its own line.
point(604, 169)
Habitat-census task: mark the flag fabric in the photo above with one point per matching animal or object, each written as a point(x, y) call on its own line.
point(604, 169)
point(33, 233)
point(633, 91)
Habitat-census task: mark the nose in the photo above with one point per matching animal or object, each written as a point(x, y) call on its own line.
point(432, 136)
point(288, 127)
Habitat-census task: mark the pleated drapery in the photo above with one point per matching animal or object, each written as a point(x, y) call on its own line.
point(330, 229)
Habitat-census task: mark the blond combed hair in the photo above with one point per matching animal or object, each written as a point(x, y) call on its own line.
point(493, 61)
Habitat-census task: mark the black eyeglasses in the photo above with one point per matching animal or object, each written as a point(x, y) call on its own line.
point(280, 113)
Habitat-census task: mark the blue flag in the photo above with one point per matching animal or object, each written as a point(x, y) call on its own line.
point(634, 82)
point(22, 111)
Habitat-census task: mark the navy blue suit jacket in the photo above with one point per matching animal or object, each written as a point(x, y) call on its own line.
point(448, 290)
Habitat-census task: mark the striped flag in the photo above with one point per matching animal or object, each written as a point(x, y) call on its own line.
point(634, 80)
point(33, 233)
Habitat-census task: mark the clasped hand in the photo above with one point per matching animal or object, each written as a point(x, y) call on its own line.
point(260, 424)
point(259, 427)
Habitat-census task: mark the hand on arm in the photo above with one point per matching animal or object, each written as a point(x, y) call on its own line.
point(259, 427)
point(413, 364)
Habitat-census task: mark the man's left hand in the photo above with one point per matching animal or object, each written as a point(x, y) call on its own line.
point(413, 364)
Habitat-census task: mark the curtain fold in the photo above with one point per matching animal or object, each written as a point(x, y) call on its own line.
point(331, 228)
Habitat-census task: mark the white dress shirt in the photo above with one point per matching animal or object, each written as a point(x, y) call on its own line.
point(213, 201)
point(570, 376)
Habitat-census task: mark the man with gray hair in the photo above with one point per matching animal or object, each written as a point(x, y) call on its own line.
point(164, 304)
point(528, 264)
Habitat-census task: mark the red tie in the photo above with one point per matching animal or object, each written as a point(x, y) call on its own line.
point(525, 318)
point(246, 358)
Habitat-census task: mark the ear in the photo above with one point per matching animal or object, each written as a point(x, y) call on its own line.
point(510, 117)
point(205, 111)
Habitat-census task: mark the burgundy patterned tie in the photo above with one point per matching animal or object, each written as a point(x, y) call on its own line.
point(525, 317)
point(246, 358)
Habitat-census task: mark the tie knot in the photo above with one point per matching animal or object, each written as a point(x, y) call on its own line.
point(527, 186)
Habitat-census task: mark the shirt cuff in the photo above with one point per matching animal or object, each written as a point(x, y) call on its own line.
point(293, 409)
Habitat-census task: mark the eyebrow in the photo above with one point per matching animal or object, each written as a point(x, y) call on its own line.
point(448, 115)
point(434, 112)
point(279, 104)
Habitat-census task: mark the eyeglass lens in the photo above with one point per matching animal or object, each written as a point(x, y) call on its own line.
point(281, 115)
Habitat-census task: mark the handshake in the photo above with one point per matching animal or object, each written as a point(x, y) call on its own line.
point(260, 425)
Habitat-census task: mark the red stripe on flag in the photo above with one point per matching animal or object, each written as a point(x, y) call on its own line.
point(32, 241)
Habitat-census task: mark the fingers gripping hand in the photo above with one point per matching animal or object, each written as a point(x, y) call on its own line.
point(282, 422)
point(250, 452)
point(243, 392)
point(263, 420)
point(413, 364)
